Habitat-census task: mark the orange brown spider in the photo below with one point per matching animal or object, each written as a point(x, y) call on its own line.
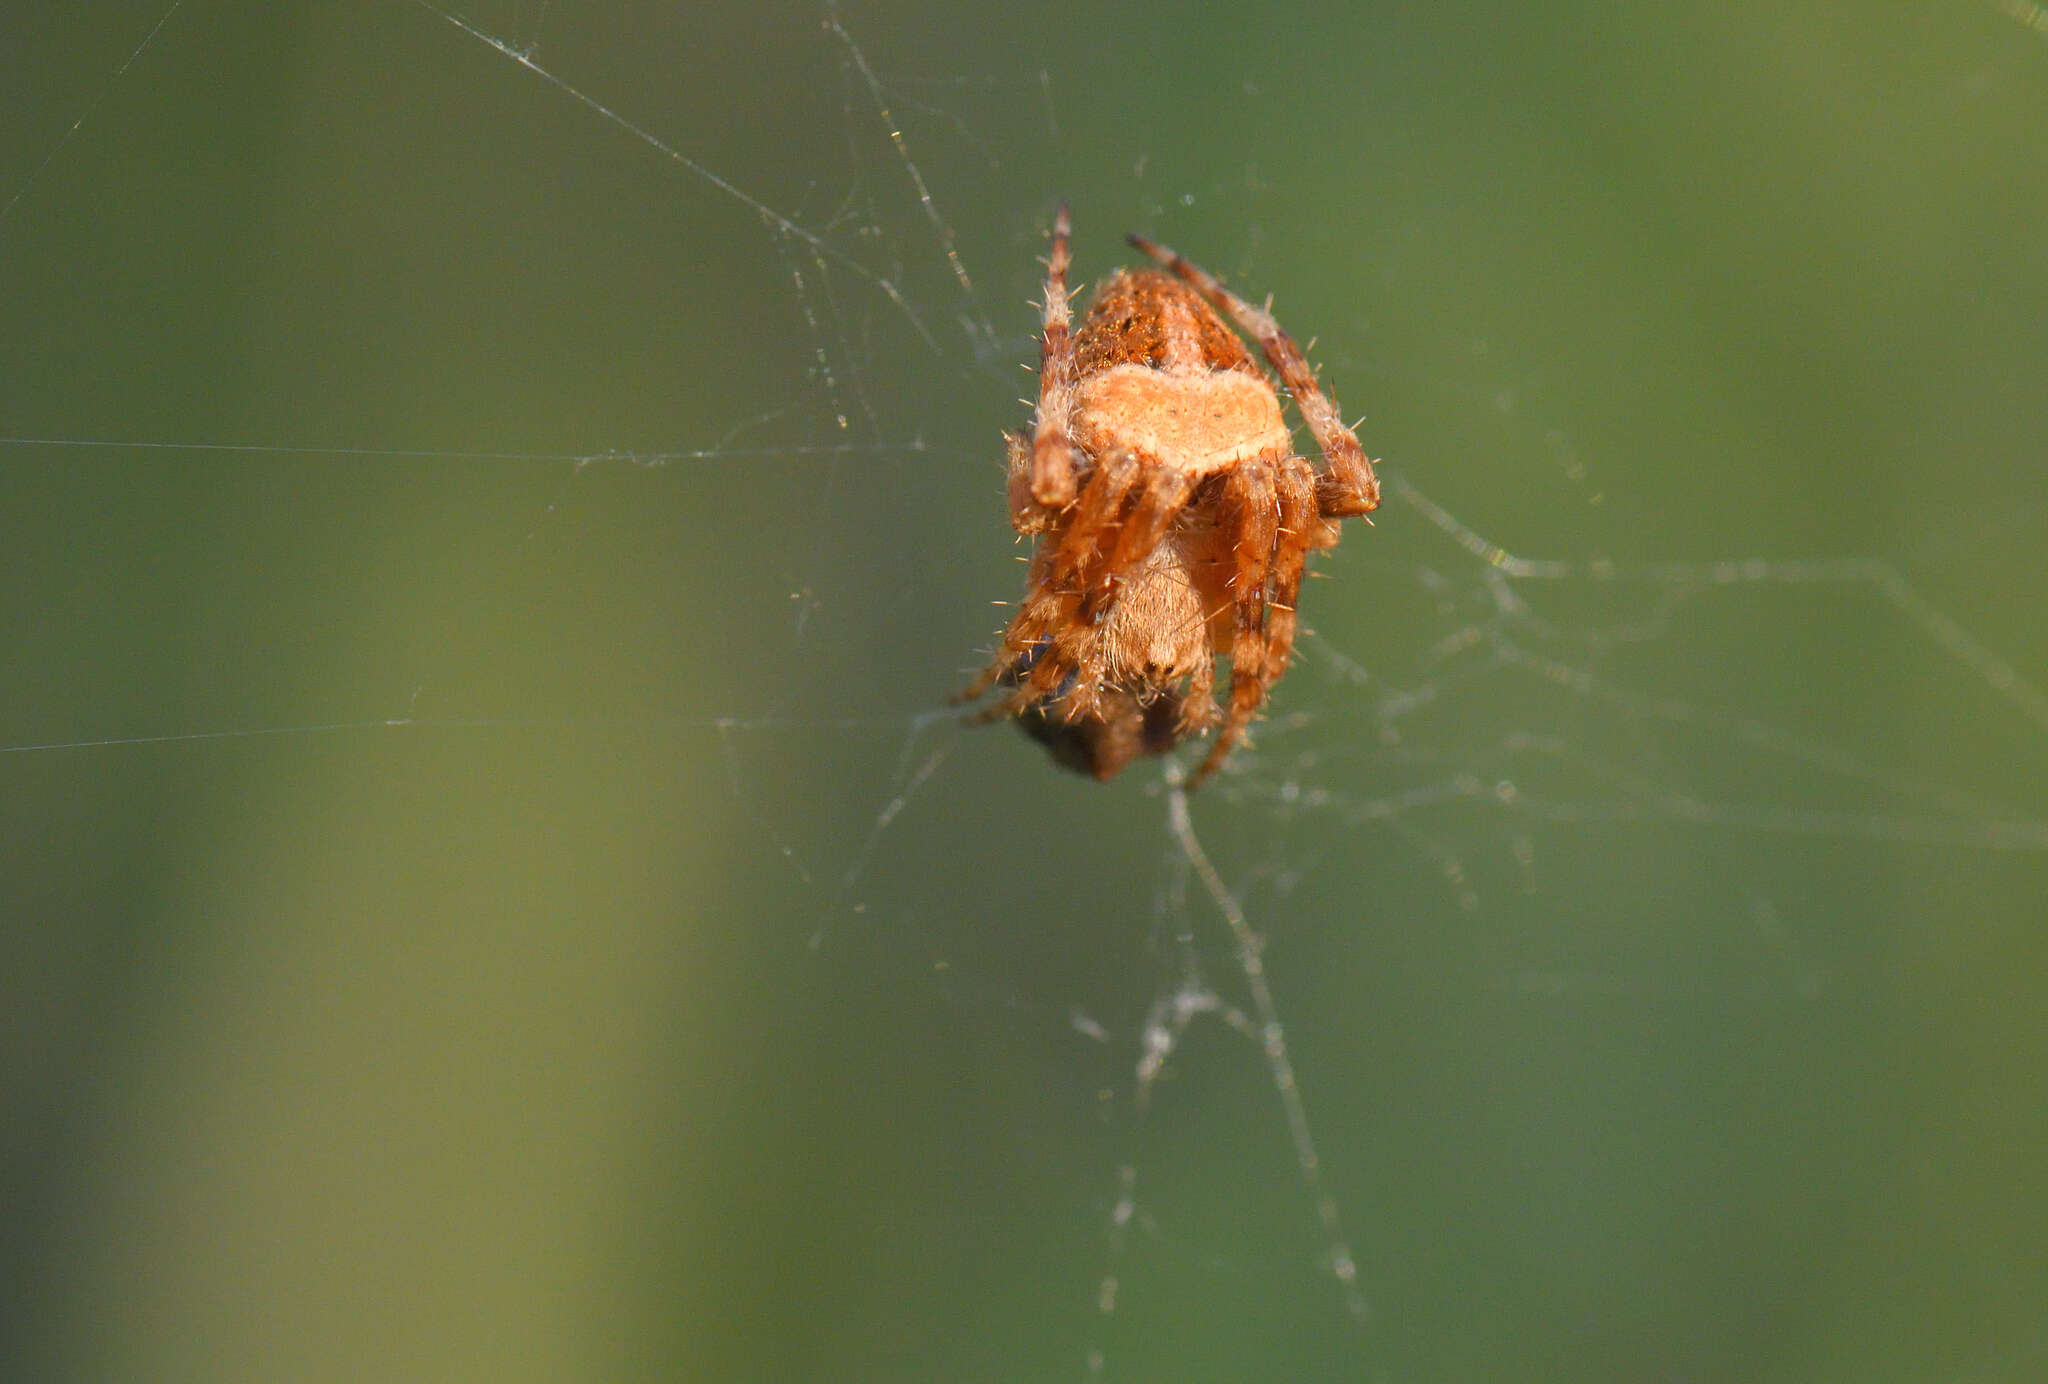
point(1173, 517)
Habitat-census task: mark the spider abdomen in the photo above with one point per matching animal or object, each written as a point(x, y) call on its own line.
point(1199, 421)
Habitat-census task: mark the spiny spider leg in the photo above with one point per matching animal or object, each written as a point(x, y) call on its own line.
point(1250, 495)
point(1165, 492)
point(1052, 451)
point(1059, 574)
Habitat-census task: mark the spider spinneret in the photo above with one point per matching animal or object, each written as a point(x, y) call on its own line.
point(1173, 518)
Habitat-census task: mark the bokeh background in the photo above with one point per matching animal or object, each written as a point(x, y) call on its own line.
point(490, 889)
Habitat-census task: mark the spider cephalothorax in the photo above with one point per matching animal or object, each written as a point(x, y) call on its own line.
point(1172, 514)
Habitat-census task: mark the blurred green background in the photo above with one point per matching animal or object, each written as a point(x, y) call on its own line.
point(490, 890)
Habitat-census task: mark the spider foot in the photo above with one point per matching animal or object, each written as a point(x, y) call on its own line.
point(1197, 717)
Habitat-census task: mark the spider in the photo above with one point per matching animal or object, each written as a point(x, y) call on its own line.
point(1173, 517)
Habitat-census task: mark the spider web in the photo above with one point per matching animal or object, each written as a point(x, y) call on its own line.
point(498, 496)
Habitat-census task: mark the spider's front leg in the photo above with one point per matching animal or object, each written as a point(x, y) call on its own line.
point(1072, 565)
point(1251, 501)
point(1301, 530)
point(1049, 633)
point(1159, 503)
point(1027, 516)
point(1052, 450)
point(1198, 709)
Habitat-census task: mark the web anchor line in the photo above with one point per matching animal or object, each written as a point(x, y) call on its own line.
point(1996, 673)
point(780, 223)
point(948, 240)
point(71, 130)
point(1272, 1039)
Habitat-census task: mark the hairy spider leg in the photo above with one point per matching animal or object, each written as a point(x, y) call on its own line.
point(1027, 516)
point(1052, 450)
point(1251, 493)
point(1058, 577)
point(1070, 571)
point(1349, 487)
point(1149, 669)
point(1302, 531)
point(1164, 495)
point(1198, 711)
